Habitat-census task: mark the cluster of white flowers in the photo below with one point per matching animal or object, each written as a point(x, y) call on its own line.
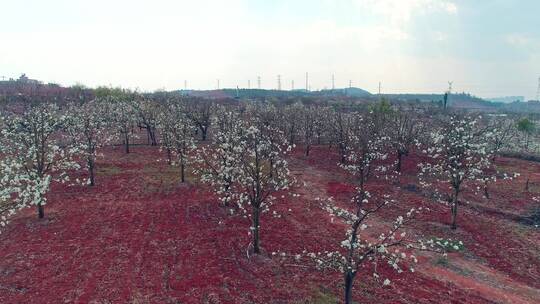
point(35, 152)
point(458, 152)
point(88, 128)
point(245, 165)
point(177, 134)
point(123, 116)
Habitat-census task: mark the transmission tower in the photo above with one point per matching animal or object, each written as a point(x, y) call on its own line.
point(538, 90)
point(447, 94)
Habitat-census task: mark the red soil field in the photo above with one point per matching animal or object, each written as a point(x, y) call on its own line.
point(139, 236)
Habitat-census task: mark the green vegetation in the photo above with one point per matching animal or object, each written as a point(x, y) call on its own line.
point(448, 245)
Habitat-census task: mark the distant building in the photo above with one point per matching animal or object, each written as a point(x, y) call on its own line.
point(25, 80)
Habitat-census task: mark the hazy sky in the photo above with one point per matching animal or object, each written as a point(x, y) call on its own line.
point(487, 47)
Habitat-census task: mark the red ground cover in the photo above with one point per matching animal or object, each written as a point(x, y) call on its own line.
point(140, 236)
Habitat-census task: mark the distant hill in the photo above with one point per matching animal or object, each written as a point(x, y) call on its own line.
point(531, 106)
point(459, 100)
point(507, 99)
point(261, 93)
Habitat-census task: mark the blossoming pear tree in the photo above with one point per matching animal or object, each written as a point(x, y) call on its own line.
point(36, 147)
point(219, 163)
point(246, 166)
point(406, 130)
point(89, 130)
point(178, 134)
point(459, 152)
point(123, 116)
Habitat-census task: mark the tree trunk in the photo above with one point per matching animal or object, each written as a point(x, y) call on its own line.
point(91, 167)
point(182, 171)
point(486, 190)
point(41, 211)
point(255, 230)
point(307, 149)
point(127, 143)
point(342, 152)
point(153, 137)
point(454, 206)
point(169, 156)
point(204, 132)
point(399, 159)
point(349, 278)
point(454, 215)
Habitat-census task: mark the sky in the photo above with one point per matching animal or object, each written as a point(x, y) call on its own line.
point(488, 48)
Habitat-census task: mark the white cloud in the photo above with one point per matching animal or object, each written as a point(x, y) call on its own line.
point(519, 40)
point(400, 12)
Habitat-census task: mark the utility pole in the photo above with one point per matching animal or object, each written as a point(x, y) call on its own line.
point(249, 84)
point(259, 82)
point(185, 85)
point(350, 84)
point(307, 81)
point(333, 83)
point(292, 85)
point(279, 82)
point(218, 84)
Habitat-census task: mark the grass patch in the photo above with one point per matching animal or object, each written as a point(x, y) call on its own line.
point(107, 170)
point(166, 179)
point(533, 219)
point(321, 296)
point(442, 261)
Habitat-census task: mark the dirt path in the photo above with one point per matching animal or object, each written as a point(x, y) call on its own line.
point(466, 274)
